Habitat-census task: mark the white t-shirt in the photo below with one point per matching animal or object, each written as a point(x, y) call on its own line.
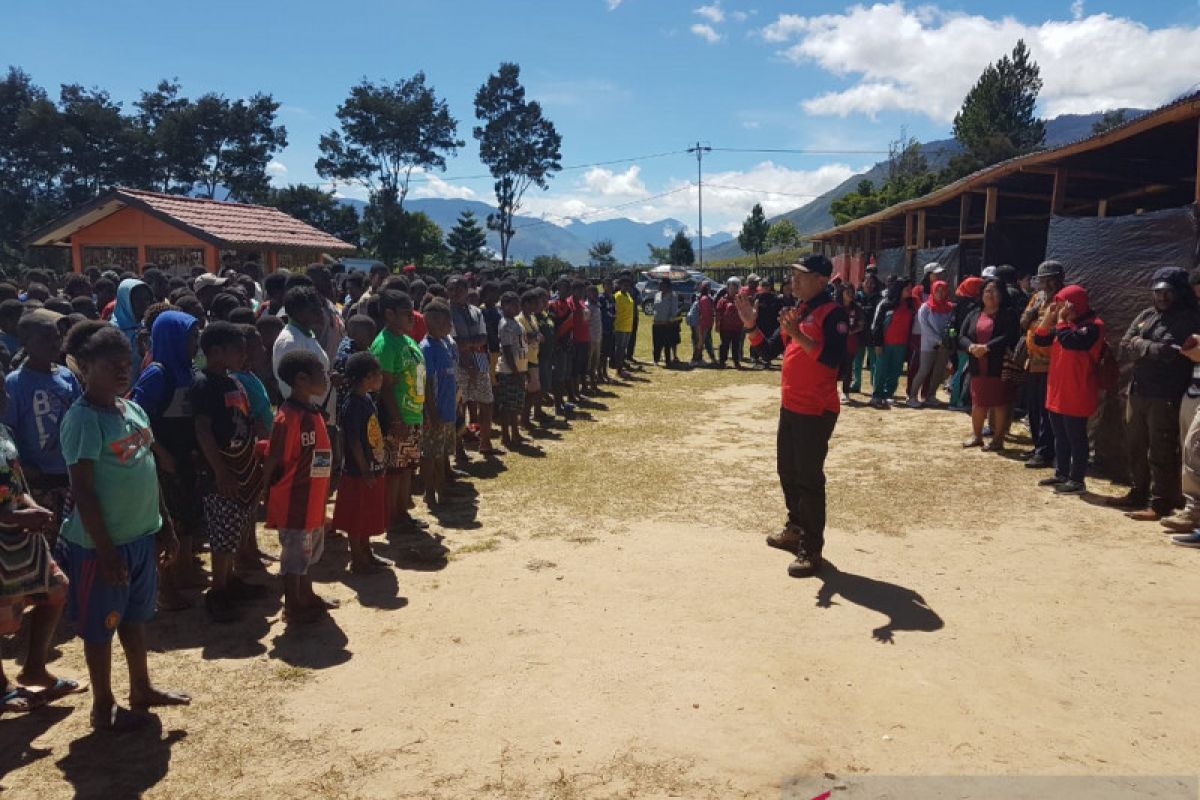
point(292, 338)
point(512, 335)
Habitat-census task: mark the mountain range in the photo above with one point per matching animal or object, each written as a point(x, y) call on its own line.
point(535, 237)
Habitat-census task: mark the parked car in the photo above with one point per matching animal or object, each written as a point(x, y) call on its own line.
point(684, 289)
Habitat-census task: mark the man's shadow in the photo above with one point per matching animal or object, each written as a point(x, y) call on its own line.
point(20, 731)
point(100, 765)
point(905, 609)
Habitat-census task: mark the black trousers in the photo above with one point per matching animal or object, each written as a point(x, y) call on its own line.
point(1040, 428)
point(801, 446)
point(732, 342)
point(1155, 458)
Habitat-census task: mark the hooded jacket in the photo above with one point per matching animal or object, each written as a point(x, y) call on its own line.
point(172, 366)
point(1151, 342)
point(124, 318)
point(894, 317)
point(1072, 384)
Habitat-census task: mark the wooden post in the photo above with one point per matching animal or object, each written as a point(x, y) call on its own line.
point(1198, 164)
point(920, 229)
point(141, 248)
point(1102, 208)
point(76, 256)
point(1059, 193)
point(989, 209)
point(964, 214)
point(272, 261)
point(212, 258)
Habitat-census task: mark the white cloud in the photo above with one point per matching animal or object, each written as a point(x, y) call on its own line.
point(740, 16)
point(712, 12)
point(728, 195)
point(433, 186)
point(277, 168)
point(607, 183)
point(924, 59)
point(1077, 9)
point(612, 4)
point(706, 32)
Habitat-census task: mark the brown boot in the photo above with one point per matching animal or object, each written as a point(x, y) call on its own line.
point(787, 539)
point(1145, 515)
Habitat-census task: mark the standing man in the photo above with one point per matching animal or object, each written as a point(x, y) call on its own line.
point(814, 335)
point(1161, 375)
point(1050, 282)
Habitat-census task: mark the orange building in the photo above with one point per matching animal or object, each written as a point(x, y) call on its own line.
point(129, 228)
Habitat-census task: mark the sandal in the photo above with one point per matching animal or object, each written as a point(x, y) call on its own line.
point(491, 452)
point(61, 688)
point(21, 701)
point(975, 442)
point(994, 447)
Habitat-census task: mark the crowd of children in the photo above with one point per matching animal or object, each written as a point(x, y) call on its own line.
point(147, 418)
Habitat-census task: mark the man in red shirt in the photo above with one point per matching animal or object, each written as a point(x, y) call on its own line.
point(813, 335)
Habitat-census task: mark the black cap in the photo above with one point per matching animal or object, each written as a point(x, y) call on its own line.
point(817, 264)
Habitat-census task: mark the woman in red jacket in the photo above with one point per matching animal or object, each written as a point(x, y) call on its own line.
point(729, 325)
point(1076, 338)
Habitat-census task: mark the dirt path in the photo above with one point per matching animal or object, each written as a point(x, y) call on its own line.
point(610, 624)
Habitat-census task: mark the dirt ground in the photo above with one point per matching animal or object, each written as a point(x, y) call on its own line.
point(608, 623)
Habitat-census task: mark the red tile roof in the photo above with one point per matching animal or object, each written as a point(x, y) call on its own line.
point(235, 223)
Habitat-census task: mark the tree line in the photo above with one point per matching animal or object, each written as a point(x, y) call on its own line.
point(56, 153)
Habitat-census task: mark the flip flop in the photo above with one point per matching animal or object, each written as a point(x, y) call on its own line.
point(122, 720)
point(21, 701)
point(61, 688)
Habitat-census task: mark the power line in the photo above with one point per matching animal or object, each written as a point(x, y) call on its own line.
point(803, 151)
point(612, 208)
point(762, 191)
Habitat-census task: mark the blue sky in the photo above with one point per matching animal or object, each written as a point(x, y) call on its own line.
point(629, 78)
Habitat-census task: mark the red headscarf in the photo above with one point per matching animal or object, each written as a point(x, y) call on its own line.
point(971, 287)
point(939, 306)
point(918, 295)
point(1077, 296)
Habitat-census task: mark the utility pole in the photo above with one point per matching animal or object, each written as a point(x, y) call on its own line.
point(700, 150)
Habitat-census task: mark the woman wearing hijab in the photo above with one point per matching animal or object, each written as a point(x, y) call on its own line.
point(968, 300)
point(133, 298)
point(933, 319)
point(890, 331)
point(989, 333)
point(1075, 336)
point(161, 390)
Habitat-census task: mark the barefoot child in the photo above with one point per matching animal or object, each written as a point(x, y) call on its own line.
point(298, 466)
point(361, 509)
point(510, 372)
point(28, 577)
point(403, 401)
point(441, 389)
point(110, 544)
point(231, 483)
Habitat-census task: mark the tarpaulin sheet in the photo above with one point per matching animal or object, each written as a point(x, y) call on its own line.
point(1114, 259)
point(946, 256)
point(1020, 243)
point(890, 261)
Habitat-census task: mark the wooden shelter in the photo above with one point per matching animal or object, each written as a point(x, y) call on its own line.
point(129, 228)
point(1002, 214)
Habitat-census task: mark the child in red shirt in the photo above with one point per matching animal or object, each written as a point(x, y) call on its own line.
point(298, 467)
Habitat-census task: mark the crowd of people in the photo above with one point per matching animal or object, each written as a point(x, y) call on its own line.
point(147, 418)
point(1003, 345)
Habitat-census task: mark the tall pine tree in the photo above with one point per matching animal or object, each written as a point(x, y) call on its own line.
point(753, 238)
point(997, 119)
point(465, 240)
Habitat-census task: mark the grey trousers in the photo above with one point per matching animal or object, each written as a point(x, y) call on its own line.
point(1155, 462)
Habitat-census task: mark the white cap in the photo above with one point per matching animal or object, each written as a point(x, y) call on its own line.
point(988, 272)
point(934, 267)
